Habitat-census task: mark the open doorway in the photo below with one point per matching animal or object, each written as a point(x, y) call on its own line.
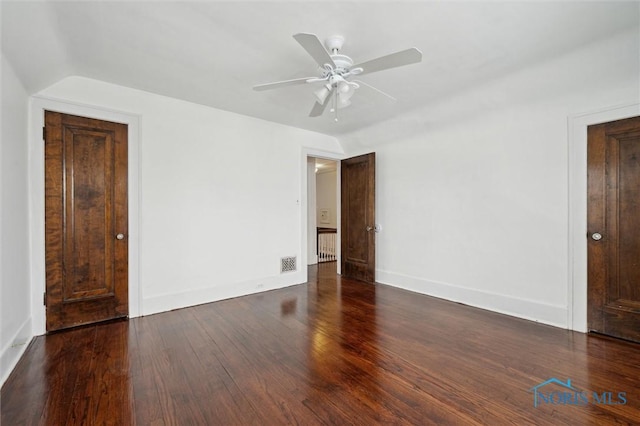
point(323, 210)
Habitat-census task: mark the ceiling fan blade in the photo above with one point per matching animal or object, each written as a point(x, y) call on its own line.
point(278, 84)
point(372, 89)
point(318, 108)
point(314, 47)
point(398, 59)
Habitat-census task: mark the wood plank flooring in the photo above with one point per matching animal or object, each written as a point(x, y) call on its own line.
point(332, 351)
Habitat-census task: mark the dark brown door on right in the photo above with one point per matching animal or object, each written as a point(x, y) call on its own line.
point(613, 225)
point(358, 217)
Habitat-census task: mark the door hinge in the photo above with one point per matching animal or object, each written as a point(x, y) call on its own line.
point(44, 298)
point(44, 133)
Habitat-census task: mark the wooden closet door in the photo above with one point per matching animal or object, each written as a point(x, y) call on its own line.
point(85, 220)
point(613, 222)
point(358, 217)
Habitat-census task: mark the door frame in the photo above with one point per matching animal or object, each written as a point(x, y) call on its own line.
point(304, 203)
point(37, 106)
point(577, 238)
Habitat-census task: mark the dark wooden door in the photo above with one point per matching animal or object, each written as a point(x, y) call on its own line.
point(358, 217)
point(85, 220)
point(613, 226)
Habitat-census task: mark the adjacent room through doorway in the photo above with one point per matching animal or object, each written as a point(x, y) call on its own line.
point(323, 208)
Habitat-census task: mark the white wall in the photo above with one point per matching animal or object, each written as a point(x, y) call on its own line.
point(220, 195)
point(15, 326)
point(472, 192)
point(326, 195)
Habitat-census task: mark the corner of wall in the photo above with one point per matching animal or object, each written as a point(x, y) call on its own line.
point(16, 320)
point(14, 350)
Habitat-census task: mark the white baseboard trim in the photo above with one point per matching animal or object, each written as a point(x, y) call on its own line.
point(14, 350)
point(532, 310)
point(168, 302)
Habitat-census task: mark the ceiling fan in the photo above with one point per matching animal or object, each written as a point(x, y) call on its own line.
point(336, 71)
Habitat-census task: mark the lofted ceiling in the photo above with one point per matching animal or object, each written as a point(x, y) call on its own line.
point(213, 52)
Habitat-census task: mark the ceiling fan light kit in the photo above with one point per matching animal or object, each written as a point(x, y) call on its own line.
point(322, 93)
point(335, 70)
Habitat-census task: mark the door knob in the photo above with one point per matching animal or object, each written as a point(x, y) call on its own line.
point(369, 228)
point(596, 236)
point(120, 237)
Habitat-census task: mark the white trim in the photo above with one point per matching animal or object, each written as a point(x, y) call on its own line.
point(514, 306)
point(577, 249)
point(14, 350)
point(38, 104)
point(310, 152)
point(184, 299)
point(312, 238)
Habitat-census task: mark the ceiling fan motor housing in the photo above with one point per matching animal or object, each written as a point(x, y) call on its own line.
point(342, 62)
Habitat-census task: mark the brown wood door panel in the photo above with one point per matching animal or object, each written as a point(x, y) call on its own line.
point(85, 209)
point(358, 217)
point(614, 212)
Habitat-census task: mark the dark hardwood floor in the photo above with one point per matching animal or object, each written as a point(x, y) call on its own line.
point(329, 352)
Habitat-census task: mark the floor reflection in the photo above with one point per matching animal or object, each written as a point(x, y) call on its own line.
point(288, 307)
point(343, 355)
point(75, 377)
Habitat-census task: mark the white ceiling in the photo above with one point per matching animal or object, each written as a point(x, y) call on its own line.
point(213, 52)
